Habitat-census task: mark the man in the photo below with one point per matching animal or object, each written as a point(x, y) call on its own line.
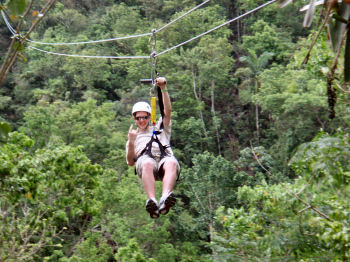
point(153, 167)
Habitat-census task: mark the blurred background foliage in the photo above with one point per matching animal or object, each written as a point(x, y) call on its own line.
point(265, 171)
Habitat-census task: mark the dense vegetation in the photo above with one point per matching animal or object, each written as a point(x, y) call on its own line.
point(265, 171)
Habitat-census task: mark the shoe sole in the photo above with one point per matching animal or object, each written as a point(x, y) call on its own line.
point(152, 209)
point(169, 202)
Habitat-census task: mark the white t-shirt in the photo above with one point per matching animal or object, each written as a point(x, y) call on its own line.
point(143, 137)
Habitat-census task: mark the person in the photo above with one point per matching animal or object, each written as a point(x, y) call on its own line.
point(155, 166)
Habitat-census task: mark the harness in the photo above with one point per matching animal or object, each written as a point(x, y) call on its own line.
point(148, 148)
point(154, 138)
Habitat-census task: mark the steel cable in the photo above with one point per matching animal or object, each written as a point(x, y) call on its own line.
point(217, 27)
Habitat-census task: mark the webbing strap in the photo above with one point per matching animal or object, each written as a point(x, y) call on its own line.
point(161, 105)
point(148, 149)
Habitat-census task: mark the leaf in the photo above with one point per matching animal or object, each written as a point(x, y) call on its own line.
point(23, 57)
point(17, 7)
point(347, 58)
point(18, 46)
point(4, 130)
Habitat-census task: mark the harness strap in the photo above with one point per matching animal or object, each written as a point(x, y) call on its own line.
point(161, 105)
point(148, 148)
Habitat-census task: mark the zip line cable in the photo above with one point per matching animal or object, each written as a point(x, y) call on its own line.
point(217, 27)
point(13, 31)
point(181, 16)
point(154, 31)
point(72, 43)
point(109, 39)
point(89, 56)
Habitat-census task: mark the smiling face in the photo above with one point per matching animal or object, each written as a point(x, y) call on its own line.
point(142, 120)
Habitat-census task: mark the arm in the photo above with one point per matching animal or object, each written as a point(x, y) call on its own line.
point(161, 82)
point(130, 156)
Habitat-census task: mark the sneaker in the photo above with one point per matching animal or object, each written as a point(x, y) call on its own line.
point(152, 208)
point(166, 202)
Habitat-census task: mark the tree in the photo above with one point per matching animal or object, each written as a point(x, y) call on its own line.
point(272, 223)
point(276, 42)
point(46, 197)
point(21, 11)
point(85, 124)
point(255, 66)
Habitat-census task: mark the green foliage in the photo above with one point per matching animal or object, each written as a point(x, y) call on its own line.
point(213, 181)
point(272, 224)
point(17, 7)
point(85, 124)
point(55, 205)
point(297, 107)
point(130, 253)
point(275, 41)
point(94, 248)
point(44, 194)
point(5, 129)
point(325, 157)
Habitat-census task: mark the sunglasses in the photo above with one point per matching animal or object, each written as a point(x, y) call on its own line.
point(141, 117)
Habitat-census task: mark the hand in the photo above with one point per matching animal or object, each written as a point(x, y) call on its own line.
point(132, 134)
point(161, 82)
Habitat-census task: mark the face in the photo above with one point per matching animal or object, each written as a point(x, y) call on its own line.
point(142, 120)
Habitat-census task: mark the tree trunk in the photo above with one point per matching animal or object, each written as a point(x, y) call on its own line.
point(200, 111)
point(257, 112)
point(214, 116)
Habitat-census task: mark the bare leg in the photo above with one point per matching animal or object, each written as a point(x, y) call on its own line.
point(169, 178)
point(148, 180)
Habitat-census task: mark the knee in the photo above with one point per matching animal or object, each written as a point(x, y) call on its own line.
point(170, 164)
point(147, 166)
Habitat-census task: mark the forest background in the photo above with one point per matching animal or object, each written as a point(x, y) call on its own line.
point(265, 169)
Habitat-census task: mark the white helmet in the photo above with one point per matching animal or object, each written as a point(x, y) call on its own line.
point(141, 106)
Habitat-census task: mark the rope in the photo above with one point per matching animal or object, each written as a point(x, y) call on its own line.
point(217, 27)
point(89, 56)
point(188, 12)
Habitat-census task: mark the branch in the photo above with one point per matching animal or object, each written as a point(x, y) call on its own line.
point(289, 191)
point(330, 90)
point(12, 55)
point(308, 183)
point(306, 59)
point(43, 11)
point(199, 201)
